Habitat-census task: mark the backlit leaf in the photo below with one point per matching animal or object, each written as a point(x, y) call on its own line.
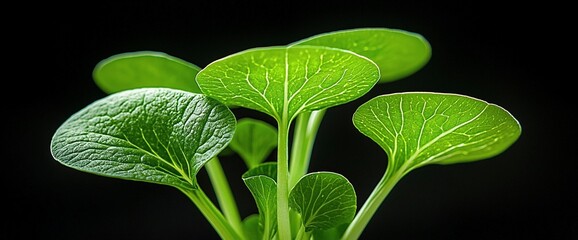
point(420, 128)
point(254, 140)
point(284, 81)
point(398, 53)
point(145, 69)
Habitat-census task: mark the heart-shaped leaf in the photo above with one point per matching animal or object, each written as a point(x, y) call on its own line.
point(261, 182)
point(145, 69)
point(416, 129)
point(398, 53)
point(324, 200)
point(156, 135)
point(254, 140)
point(284, 81)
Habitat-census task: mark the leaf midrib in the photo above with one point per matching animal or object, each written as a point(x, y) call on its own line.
point(153, 154)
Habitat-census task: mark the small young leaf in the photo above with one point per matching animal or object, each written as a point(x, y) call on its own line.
point(252, 227)
point(416, 129)
point(261, 182)
point(324, 200)
point(254, 140)
point(156, 135)
point(145, 69)
point(398, 53)
point(284, 81)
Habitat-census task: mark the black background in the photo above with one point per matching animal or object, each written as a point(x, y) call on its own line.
point(500, 53)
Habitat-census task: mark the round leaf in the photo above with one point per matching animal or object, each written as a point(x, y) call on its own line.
point(145, 69)
point(156, 135)
point(422, 128)
point(254, 140)
point(324, 200)
point(284, 81)
point(398, 53)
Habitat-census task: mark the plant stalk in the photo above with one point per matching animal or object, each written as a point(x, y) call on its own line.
point(224, 194)
point(283, 220)
point(302, 234)
point(306, 129)
point(378, 195)
point(212, 214)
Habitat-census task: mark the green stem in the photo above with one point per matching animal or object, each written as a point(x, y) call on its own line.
point(295, 219)
point(373, 202)
point(305, 132)
point(266, 230)
point(224, 194)
point(283, 221)
point(302, 234)
point(212, 214)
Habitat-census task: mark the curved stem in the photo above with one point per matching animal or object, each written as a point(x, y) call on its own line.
point(372, 203)
point(283, 222)
point(306, 129)
point(212, 214)
point(224, 194)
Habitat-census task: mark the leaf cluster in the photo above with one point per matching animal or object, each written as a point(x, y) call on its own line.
point(165, 119)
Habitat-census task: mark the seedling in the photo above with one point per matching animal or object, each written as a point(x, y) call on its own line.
point(165, 119)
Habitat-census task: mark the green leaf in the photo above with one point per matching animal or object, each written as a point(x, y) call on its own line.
point(145, 69)
point(254, 140)
point(398, 53)
point(420, 128)
point(261, 182)
point(156, 135)
point(284, 81)
point(324, 200)
point(252, 227)
point(330, 234)
point(268, 169)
